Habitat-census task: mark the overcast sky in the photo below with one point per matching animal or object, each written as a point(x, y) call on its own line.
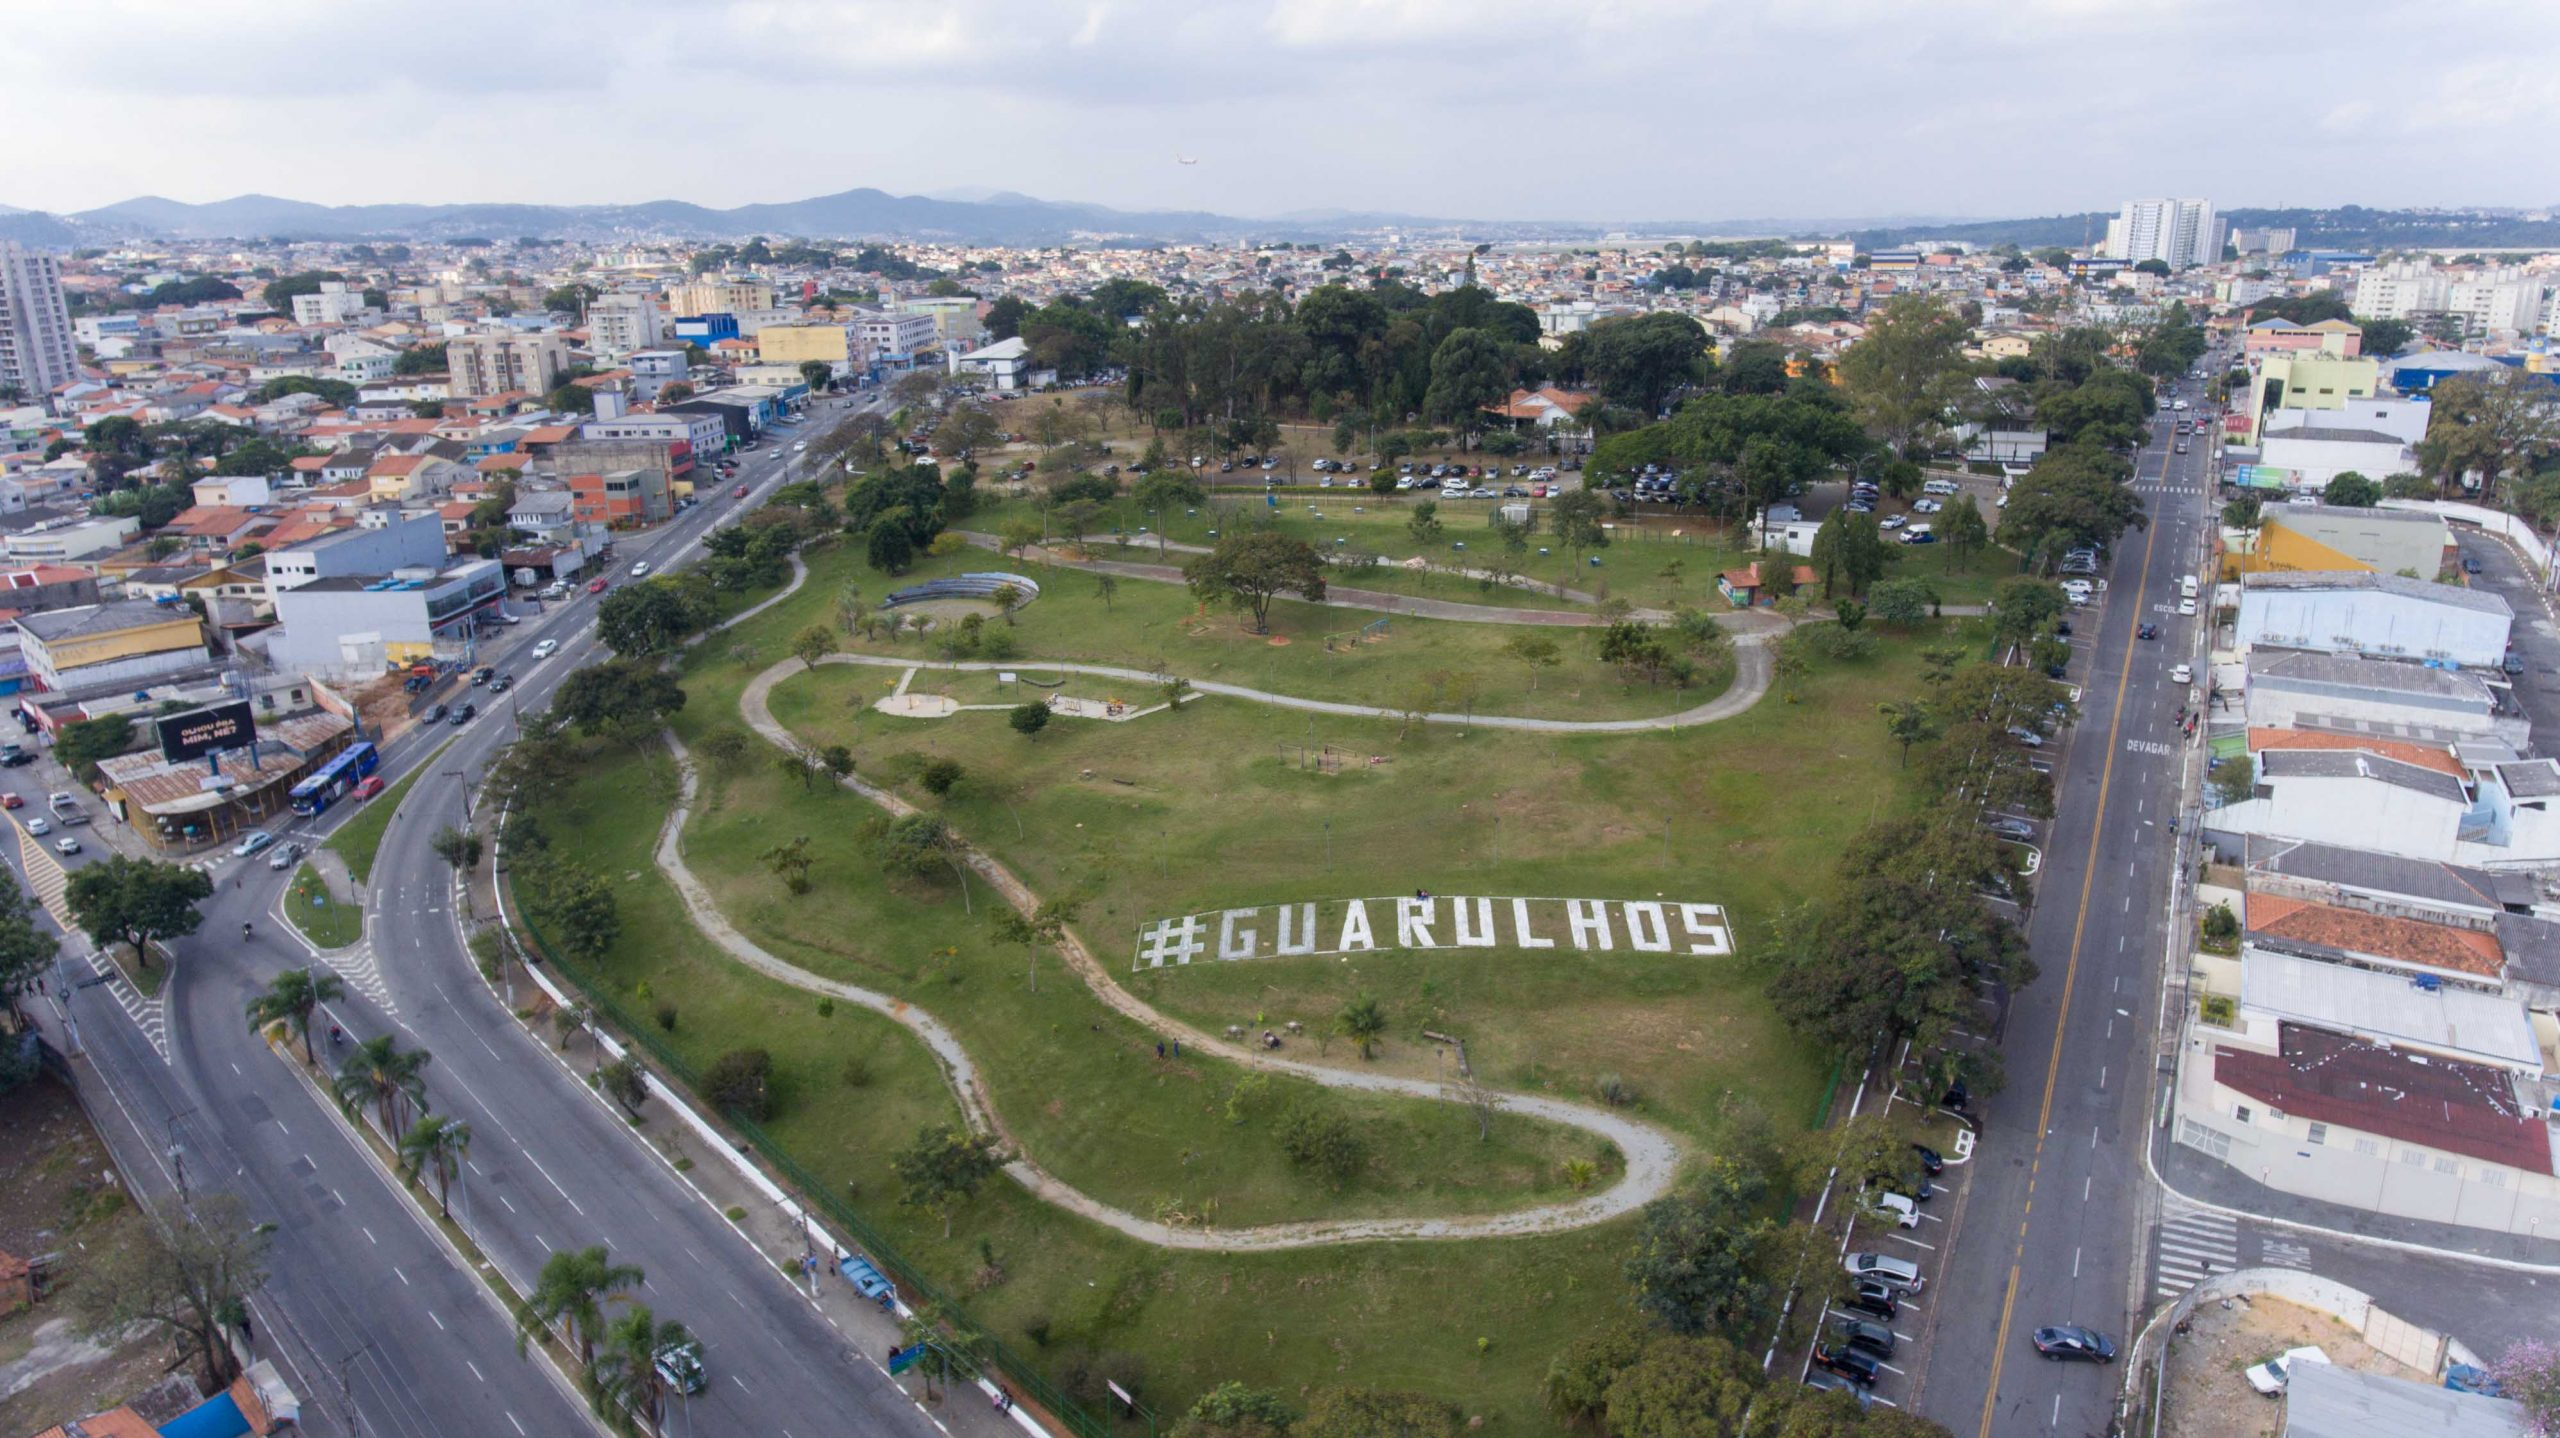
point(1589, 109)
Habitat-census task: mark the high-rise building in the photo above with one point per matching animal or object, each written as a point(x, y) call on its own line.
point(37, 352)
point(722, 296)
point(2177, 233)
point(487, 364)
point(618, 324)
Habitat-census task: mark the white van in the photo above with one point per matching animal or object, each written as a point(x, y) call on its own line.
point(1940, 486)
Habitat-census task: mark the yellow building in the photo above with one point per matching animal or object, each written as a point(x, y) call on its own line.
point(708, 297)
point(828, 344)
point(2330, 538)
point(2308, 381)
point(129, 643)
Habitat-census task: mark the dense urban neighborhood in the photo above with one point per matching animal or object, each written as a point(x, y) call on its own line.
point(893, 814)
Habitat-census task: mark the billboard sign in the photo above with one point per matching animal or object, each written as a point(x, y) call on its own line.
point(198, 732)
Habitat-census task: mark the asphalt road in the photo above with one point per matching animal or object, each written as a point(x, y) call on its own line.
point(2049, 1230)
point(370, 1321)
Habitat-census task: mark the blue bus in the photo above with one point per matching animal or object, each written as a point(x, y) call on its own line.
point(315, 794)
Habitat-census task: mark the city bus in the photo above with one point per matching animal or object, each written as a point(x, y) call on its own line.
point(315, 794)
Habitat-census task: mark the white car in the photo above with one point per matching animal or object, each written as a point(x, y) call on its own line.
point(2270, 1377)
point(39, 825)
point(804, 444)
point(66, 845)
point(1926, 506)
point(2186, 606)
point(2181, 674)
point(546, 649)
point(1904, 1212)
point(639, 569)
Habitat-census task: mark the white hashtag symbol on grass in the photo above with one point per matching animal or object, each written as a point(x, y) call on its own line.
point(1175, 939)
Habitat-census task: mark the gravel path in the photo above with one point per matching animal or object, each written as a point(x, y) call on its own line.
point(1652, 1156)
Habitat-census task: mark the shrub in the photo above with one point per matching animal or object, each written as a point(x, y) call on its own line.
point(857, 1071)
point(1613, 1090)
point(2219, 1010)
point(666, 1014)
point(826, 1007)
point(1321, 1141)
point(941, 776)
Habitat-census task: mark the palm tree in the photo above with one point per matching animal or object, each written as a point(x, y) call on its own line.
point(571, 1292)
point(440, 1143)
point(290, 998)
point(623, 1383)
point(378, 1071)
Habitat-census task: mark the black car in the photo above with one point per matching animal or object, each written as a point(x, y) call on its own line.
point(2470, 565)
point(2070, 1340)
point(435, 714)
point(502, 684)
point(1876, 1300)
point(1930, 1162)
point(1859, 1334)
point(1849, 1363)
point(2146, 631)
point(1957, 1097)
point(463, 715)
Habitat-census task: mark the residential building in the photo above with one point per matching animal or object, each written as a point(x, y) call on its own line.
point(2322, 537)
point(684, 434)
point(652, 370)
point(2376, 615)
point(60, 542)
point(37, 350)
point(397, 477)
point(543, 513)
point(620, 498)
point(891, 340)
point(336, 303)
point(2401, 290)
point(120, 645)
point(46, 586)
point(2307, 381)
point(955, 320)
point(837, 346)
point(620, 323)
point(2265, 240)
point(2306, 458)
point(720, 297)
point(2277, 335)
point(2180, 233)
point(2507, 298)
point(492, 364)
point(361, 624)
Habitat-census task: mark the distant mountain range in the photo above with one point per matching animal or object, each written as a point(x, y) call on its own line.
point(1005, 218)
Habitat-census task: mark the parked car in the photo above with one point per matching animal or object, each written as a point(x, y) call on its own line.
point(2008, 828)
point(2071, 1340)
point(2270, 1377)
point(1858, 1333)
point(1884, 1268)
point(1849, 1363)
point(1824, 1380)
point(1876, 1300)
point(2470, 565)
point(1930, 1163)
point(252, 844)
point(2513, 664)
point(1903, 1210)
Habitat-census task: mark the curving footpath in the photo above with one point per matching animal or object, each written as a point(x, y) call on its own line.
point(1652, 1156)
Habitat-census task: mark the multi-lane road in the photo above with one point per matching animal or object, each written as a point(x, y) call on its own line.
point(367, 1315)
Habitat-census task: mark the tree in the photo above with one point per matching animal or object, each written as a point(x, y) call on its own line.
point(1908, 723)
point(811, 645)
point(965, 428)
point(940, 776)
point(1576, 1388)
point(1575, 517)
point(192, 1285)
point(570, 1293)
point(1231, 1410)
point(2075, 496)
point(2385, 337)
point(2235, 779)
point(1902, 603)
point(1683, 1388)
point(944, 1167)
point(1162, 491)
point(1698, 1263)
point(438, 1144)
point(1105, 586)
point(279, 294)
point(1046, 924)
point(1361, 1021)
point(1470, 369)
point(137, 901)
point(1962, 528)
point(741, 1082)
point(1637, 362)
point(1905, 373)
point(652, 617)
point(1424, 523)
point(576, 908)
point(2529, 1372)
point(2488, 424)
point(2351, 490)
point(1029, 719)
point(457, 847)
point(887, 546)
point(290, 998)
point(625, 1082)
point(624, 1385)
point(817, 374)
point(1248, 570)
point(383, 1074)
point(2025, 607)
point(1535, 652)
point(83, 742)
point(626, 699)
point(790, 861)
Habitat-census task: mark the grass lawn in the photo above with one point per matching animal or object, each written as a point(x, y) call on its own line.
point(1653, 560)
point(360, 838)
point(1148, 624)
point(322, 920)
point(1217, 806)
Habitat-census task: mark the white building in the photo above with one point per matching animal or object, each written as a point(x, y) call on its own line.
point(36, 349)
point(2324, 448)
point(487, 364)
point(895, 339)
point(337, 303)
point(69, 543)
point(1005, 365)
point(618, 324)
point(2179, 233)
point(2381, 615)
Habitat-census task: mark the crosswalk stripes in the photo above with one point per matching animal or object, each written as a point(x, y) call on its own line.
point(363, 973)
point(148, 1014)
point(2192, 1245)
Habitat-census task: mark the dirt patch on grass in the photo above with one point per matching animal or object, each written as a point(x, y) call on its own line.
point(61, 1198)
point(2208, 1394)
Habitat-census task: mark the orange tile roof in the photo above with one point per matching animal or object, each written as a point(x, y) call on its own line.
point(114, 1423)
point(299, 529)
point(397, 464)
point(549, 433)
point(2425, 756)
point(2408, 941)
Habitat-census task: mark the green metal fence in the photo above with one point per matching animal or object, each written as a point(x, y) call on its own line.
point(819, 1195)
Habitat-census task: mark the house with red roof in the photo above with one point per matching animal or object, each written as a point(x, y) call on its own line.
point(1745, 587)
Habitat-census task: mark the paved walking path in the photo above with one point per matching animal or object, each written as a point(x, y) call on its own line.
point(1652, 1156)
point(1753, 669)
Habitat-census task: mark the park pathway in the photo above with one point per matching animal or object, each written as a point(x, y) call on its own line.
point(1652, 1156)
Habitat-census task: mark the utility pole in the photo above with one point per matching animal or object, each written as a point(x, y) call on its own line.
point(177, 1155)
point(346, 1389)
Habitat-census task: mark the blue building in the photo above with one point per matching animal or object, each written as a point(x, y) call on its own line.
point(706, 330)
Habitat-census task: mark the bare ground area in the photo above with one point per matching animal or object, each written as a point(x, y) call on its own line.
point(2208, 1396)
point(60, 1196)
